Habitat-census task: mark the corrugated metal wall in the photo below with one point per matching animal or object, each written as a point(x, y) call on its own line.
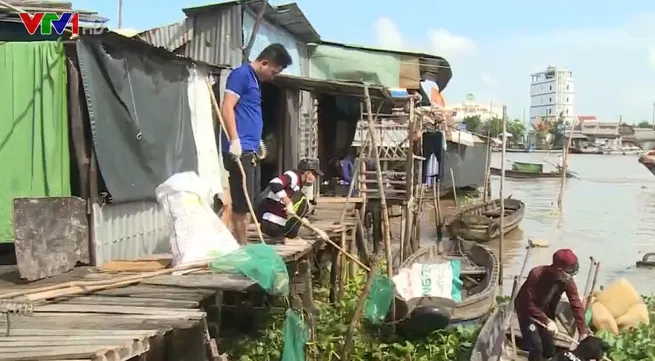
point(269, 34)
point(128, 231)
point(217, 37)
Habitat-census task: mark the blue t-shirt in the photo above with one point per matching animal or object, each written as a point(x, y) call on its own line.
point(243, 83)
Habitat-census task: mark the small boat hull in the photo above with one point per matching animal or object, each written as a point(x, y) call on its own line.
point(418, 318)
point(481, 222)
point(494, 341)
point(648, 160)
point(524, 175)
point(648, 261)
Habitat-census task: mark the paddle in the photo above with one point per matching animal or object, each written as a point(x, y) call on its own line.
point(573, 174)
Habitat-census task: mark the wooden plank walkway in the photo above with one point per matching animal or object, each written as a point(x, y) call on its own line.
point(159, 318)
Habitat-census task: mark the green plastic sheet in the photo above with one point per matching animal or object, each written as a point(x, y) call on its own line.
point(296, 335)
point(34, 152)
point(260, 263)
point(379, 299)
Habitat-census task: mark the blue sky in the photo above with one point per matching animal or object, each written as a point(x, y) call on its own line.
point(492, 46)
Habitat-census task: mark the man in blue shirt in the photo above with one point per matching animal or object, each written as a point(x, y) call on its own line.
point(242, 113)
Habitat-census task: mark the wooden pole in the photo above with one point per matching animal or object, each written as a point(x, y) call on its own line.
point(416, 234)
point(359, 310)
point(565, 166)
point(452, 179)
point(378, 174)
point(593, 286)
point(487, 164)
point(409, 183)
point(502, 198)
point(255, 29)
point(120, 15)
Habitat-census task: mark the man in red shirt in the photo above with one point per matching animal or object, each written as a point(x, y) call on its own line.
point(282, 203)
point(538, 299)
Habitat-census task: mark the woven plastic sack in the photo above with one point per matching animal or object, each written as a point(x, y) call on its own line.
point(296, 336)
point(260, 263)
point(379, 299)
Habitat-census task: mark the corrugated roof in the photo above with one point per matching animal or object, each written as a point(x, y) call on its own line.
point(330, 86)
point(288, 16)
point(139, 43)
point(171, 37)
point(428, 63)
point(383, 50)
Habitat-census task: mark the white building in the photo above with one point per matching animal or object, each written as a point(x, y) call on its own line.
point(552, 94)
point(471, 108)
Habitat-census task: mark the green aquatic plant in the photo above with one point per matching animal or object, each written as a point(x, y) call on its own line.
point(371, 342)
point(636, 344)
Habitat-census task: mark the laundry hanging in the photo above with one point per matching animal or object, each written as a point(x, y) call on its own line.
point(434, 146)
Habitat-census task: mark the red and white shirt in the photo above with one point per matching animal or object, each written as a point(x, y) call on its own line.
point(285, 185)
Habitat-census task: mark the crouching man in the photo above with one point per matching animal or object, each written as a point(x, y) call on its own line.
point(282, 205)
point(538, 298)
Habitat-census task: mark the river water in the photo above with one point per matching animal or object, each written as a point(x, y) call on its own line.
point(609, 213)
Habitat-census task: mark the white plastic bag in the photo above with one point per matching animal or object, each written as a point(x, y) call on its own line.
point(196, 231)
point(425, 280)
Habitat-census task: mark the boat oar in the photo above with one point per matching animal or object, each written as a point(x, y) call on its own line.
point(572, 174)
point(567, 337)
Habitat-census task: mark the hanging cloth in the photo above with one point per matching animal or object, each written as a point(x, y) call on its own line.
point(434, 146)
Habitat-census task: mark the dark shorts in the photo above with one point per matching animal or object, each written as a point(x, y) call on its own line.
point(252, 171)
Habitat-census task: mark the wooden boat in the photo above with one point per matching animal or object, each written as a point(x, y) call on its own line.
point(648, 261)
point(419, 317)
point(525, 175)
point(587, 149)
point(495, 339)
point(648, 160)
point(481, 221)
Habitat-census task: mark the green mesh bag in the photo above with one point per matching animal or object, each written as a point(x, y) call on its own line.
point(379, 299)
point(260, 263)
point(296, 336)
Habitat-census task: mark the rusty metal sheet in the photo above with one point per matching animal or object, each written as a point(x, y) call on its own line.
point(52, 235)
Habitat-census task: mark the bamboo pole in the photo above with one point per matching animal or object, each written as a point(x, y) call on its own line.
point(409, 183)
point(452, 179)
point(591, 271)
point(565, 166)
point(487, 164)
point(378, 173)
point(359, 310)
point(502, 200)
point(255, 29)
point(593, 286)
point(81, 287)
point(416, 234)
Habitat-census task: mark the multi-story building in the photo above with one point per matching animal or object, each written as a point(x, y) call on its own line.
point(471, 108)
point(551, 94)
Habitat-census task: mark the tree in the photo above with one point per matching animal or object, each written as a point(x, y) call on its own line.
point(493, 127)
point(472, 123)
point(557, 130)
point(644, 124)
point(517, 129)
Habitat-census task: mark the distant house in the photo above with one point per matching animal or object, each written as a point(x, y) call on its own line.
point(601, 134)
